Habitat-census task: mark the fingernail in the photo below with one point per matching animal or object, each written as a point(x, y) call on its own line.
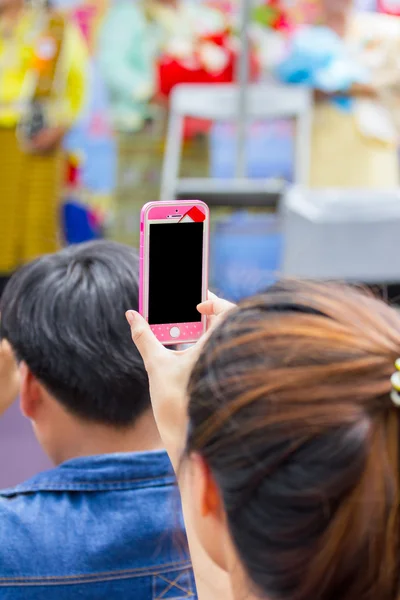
point(130, 316)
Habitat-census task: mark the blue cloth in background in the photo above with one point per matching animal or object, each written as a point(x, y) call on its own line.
point(93, 138)
point(269, 150)
point(318, 58)
point(78, 224)
point(246, 252)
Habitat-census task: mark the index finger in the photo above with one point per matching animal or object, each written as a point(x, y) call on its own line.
point(144, 339)
point(214, 306)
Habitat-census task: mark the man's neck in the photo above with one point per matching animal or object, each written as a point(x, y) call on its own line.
point(87, 439)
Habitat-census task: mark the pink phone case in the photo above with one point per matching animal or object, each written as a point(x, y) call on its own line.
point(184, 210)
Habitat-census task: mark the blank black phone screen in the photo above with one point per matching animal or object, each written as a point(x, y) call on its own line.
point(175, 272)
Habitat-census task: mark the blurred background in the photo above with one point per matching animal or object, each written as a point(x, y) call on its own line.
point(283, 115)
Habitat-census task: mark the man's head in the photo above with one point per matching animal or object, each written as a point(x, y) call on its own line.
point(64, 316)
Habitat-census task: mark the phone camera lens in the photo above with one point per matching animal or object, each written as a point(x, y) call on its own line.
point(176, 210)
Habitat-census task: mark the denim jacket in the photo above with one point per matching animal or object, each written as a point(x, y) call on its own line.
point(103, 527)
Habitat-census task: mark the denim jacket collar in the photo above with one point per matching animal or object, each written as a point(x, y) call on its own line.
point(101, 473)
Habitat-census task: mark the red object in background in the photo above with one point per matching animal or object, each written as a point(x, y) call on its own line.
point(389, 7)
point(73, 172)
point(172, 72)
point(280, 21)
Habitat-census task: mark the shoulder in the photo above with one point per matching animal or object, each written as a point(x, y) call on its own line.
point(20, 535)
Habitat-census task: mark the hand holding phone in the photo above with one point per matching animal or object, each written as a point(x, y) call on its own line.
point(174, 240)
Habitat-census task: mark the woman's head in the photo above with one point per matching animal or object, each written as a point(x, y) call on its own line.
point(291, 416)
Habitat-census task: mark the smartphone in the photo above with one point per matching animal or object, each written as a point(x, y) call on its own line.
point(174, 254)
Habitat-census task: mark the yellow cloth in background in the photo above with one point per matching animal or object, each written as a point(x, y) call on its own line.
point(30, 184)
point(16, 54)
point(29, 203)
point(342, 157)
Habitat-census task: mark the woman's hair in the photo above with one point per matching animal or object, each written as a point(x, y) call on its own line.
point(290, 407)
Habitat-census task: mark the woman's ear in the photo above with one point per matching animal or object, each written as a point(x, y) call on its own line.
point(210, 504)
point(208, 516)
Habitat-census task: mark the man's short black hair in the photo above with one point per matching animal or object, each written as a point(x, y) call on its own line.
point(64, 316)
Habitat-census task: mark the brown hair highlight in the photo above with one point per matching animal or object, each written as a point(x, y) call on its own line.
point(290, 406)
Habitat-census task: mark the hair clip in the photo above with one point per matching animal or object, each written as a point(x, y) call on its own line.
point(395, 381)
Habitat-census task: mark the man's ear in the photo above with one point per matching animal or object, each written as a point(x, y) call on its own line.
point(31, 392)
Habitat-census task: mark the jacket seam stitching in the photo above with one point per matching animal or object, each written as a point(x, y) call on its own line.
point(95, 577)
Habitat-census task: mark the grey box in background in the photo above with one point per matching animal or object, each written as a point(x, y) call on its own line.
point(351, 235)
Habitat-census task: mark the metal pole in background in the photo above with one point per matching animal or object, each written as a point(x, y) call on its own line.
point(242, 83)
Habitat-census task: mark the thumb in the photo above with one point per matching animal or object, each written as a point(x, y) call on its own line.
point(143, 338)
